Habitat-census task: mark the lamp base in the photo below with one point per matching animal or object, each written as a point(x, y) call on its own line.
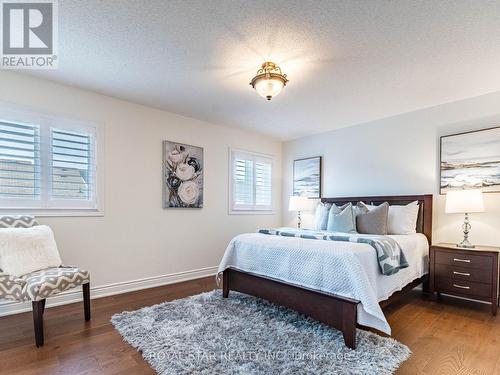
point(466, 228)
point(466, 245)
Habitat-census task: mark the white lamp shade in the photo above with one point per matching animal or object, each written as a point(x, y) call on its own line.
point(300, 204)
point(464, 201)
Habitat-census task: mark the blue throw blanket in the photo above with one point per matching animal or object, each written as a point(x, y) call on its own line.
point(390, 256)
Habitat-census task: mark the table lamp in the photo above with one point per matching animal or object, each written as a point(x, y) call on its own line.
point(464, 202)
point(299, 204)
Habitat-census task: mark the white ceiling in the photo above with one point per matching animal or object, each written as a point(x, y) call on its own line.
point(348, 61)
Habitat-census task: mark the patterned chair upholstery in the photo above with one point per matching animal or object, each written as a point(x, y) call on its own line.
point(37, 286)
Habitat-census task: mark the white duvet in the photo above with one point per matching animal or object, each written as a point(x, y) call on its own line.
point(344, 268)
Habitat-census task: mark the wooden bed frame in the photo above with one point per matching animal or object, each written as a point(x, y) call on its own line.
point(333, 310)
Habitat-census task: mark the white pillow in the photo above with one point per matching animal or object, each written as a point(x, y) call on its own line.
point(402, 219)
point(25, 250)
point(321, 216)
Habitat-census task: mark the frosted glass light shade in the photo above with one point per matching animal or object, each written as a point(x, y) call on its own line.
point(464, 201)
point(300, 204)
point(269, 87)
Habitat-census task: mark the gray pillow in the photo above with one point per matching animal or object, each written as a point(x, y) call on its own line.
point(341, 219)
point(359, 208)
point(373, 221)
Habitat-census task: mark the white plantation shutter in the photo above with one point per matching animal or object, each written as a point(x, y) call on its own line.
point(243, 182)
point(46, 164)
point(19, 161)
point(251, 181)
point(72, 169)
point(262, 184)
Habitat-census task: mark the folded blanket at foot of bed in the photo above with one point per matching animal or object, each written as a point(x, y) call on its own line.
point(390, 256)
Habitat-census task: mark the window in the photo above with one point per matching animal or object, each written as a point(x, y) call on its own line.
point(250, 182)
point(47, 164)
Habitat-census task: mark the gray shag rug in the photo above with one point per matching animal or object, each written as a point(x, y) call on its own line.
point(207, 334)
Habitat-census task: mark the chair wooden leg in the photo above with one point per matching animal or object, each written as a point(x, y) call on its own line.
point(86, 300)
point(38, 307)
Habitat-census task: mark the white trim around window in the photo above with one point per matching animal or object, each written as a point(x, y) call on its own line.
point(250, 182)
point(49, 165)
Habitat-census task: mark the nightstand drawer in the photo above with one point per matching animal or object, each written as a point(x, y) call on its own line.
point(464, 273)
point(471, 289)
point(464, 259)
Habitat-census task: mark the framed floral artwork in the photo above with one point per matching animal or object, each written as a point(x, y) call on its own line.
point(182, 175)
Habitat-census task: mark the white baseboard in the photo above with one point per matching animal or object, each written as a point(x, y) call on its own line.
point(75, 295)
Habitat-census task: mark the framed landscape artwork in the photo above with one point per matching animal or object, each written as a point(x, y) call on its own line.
point(182, 175)
point(307, 177)
point(471, 160)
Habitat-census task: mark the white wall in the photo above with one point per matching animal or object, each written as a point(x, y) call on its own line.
point(399, 155)
point(136, 238)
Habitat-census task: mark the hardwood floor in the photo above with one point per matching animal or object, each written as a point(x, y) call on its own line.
point(450, 337)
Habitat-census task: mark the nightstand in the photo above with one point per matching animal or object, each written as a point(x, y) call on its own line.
point(468, 273)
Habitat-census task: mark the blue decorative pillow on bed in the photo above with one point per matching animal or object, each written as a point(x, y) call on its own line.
point(321, 216)
point(341, 219)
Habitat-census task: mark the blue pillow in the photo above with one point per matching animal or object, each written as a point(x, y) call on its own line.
point(321, 217)
point(341, 219)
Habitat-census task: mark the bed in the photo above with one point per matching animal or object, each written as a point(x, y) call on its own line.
point(344, 309)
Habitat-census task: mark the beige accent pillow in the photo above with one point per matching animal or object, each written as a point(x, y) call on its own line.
point(25, 250)
point(374, 221)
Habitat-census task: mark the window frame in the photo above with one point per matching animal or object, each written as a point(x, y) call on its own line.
point(56, 207)
point(249, 210)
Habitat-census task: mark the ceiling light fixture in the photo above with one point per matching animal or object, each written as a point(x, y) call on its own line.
point(269, 80)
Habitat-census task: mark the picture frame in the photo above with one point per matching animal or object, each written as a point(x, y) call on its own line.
point(307, 177)
point(183, 170)
point(470, 160)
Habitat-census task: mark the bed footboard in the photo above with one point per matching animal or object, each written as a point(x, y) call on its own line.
point(335, 311)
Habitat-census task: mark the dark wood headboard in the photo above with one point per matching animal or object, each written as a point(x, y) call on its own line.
point(424, 222)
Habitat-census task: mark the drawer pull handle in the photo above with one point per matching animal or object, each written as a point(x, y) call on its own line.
point(461, 273)
point(461, 286)
point(461, 260)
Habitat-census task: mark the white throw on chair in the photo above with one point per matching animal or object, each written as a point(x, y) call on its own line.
point(31, 270)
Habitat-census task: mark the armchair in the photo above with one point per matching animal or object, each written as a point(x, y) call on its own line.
point(39, 285)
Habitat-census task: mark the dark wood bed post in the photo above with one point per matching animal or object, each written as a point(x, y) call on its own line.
point(336, 311)
point(225, 284)
point(427, 230)
point(427, 224)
